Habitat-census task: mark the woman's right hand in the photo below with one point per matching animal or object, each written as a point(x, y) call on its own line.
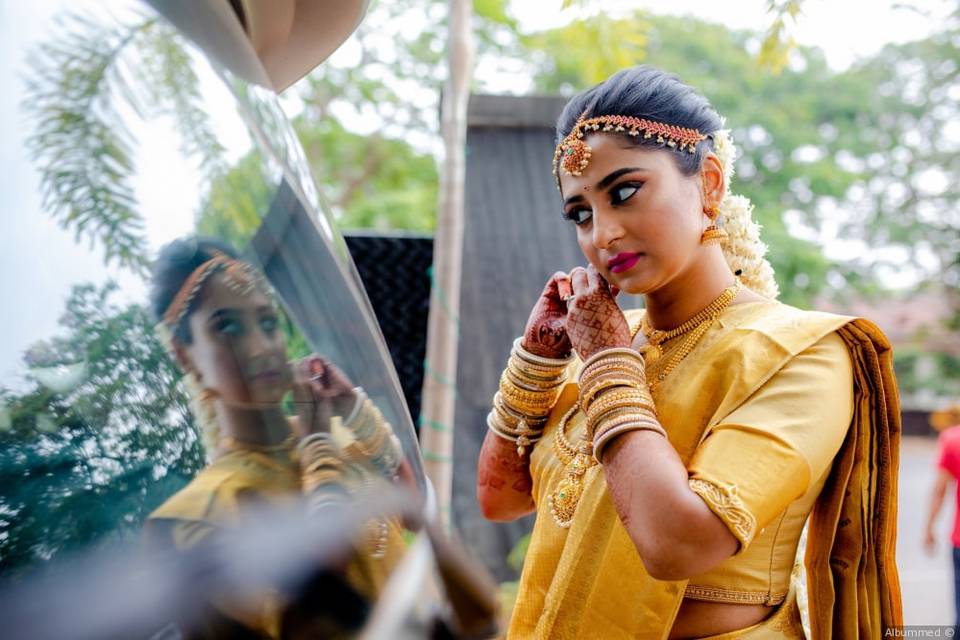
point(546, 333)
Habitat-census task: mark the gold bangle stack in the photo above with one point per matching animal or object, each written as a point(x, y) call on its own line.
point(321, 470)
point(615, 398)
point(529, 387)
point(375, 438)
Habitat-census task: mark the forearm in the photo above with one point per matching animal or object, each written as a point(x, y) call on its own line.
point(936, 502)
point(675, 532)
point(503, 480)
point(529, 387)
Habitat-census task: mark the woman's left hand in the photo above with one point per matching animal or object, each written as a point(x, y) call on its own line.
point(330, 385)
point(320, 391)
point(594, 321)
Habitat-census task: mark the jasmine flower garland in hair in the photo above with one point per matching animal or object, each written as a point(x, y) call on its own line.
point(744, 250)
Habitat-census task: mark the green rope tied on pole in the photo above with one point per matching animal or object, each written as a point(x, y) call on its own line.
point(442, 297)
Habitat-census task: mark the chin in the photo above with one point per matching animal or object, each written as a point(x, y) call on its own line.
point(633, 284)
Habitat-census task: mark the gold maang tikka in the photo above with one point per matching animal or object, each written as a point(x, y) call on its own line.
point(572, 155)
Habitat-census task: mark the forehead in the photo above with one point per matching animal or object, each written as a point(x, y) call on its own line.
point(611, 152)
point(216, 294)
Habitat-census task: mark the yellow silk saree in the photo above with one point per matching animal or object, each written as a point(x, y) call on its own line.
point(588, 581)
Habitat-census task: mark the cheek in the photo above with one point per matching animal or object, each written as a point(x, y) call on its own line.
point(587, 248)
point(223, 370)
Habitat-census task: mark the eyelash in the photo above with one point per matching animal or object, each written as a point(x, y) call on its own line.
point(571, 215)
point(269, 324)
point(228, 327)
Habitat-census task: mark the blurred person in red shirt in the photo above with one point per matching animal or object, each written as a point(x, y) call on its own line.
point(947, 422)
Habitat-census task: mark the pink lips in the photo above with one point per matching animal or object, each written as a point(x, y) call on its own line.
point(622, 262)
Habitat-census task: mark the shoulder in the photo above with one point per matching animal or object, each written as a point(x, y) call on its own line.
point(212, 495)
point(950, 438)
point(792, 328)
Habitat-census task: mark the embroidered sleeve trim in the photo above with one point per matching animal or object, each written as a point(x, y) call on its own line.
point(731, 596)
point(724, 501)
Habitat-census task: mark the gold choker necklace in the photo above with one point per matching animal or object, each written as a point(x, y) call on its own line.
point(658, 368)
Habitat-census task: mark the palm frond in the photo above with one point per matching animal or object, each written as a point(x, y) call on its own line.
point(80, 80)
point(79, 143)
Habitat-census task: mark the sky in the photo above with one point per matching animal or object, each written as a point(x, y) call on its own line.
point(39, 261)
point(845, 29)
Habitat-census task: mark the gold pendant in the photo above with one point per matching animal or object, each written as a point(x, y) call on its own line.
point(564, 500)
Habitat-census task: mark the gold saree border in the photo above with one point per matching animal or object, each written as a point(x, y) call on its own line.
point(732, 596)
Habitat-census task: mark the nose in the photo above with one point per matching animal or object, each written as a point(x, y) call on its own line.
point(259, 342)
point(606, 229)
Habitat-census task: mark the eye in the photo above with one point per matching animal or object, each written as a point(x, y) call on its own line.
point(624, 192)
point(228, 327)
point(579, 215)
point(269, 324)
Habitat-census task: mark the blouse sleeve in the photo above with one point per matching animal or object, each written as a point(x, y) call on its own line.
point(769, 451)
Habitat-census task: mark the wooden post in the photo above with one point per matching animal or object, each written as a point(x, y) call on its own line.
point(440, 375)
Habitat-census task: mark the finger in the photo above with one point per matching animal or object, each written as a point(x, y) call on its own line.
point(564, 288)
point(593, 278)
point(614, 291)
point(302, 394)
point(555, 286)
point(579, 280)
point(334, 373)
point(604, 284)
point(298, 369)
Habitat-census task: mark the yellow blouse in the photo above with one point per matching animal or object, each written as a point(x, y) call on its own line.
point(215, 500)
point(762, 467)
point(757, 412)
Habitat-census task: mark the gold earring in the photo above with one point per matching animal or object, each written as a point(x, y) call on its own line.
point(712, 234)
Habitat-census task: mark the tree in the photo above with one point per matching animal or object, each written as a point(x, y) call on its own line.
point(907, 195)
point(103, 435)
point(80, 143)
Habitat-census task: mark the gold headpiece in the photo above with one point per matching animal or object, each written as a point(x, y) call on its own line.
point(573, 154)
point(239, 276)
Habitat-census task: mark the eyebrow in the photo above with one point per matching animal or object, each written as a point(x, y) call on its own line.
point(605, 182)
point(222, 312)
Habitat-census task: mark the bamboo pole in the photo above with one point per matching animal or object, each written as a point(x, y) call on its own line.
point(440, 374)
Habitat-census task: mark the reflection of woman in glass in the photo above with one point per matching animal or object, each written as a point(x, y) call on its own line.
point(672, 483)
point(222, 326)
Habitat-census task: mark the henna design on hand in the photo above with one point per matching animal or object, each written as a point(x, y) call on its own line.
point(546, 334)
point(500, 466)
point(594, 321)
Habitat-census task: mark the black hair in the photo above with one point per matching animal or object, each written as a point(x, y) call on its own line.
point(174, 264)
point(647, 92)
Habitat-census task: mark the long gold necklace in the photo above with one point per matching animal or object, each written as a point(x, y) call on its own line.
point(566, 495)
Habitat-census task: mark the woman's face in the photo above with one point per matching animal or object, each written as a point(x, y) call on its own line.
point(639, 219)
point(238, 349)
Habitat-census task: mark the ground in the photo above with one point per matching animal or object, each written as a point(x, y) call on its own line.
point(927, 582)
